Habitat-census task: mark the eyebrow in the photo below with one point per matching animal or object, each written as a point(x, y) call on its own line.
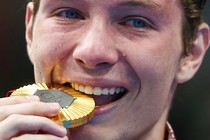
point(149, 4)
point(143, 3)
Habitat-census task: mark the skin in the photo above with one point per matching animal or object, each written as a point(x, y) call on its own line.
point(102, 47)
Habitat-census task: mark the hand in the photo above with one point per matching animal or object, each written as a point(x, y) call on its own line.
point(25, 118)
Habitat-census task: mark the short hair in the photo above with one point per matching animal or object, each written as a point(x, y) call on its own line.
point(192, 18)
point(191, 21)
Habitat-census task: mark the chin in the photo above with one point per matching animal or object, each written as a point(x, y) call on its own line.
point(92, 132)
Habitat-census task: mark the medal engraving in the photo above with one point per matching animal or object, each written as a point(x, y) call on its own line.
point(55, 95)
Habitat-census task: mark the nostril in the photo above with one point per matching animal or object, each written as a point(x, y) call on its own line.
point(102, 64)
point(80, 61)
point(92, 64)
point(86, 64)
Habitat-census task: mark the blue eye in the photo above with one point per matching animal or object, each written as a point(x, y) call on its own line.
point(136, 22)
point(71, 14)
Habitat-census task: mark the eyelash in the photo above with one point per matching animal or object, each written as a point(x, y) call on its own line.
point(69, 14)
point(137, 23)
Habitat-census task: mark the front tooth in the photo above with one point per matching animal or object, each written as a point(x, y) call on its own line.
point(105, 91)
point(112, 91)
point(97, 91)
point(81, 88)
point(88, 90)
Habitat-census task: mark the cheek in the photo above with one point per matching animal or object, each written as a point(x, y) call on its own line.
point(45, 53)
point(47, 46)
point(52, 42)
point(156, 69)
point(155, 64)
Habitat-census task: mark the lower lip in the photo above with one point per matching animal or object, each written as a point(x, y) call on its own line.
point(104, 109)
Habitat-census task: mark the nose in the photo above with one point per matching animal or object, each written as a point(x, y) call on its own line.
point(96, 48)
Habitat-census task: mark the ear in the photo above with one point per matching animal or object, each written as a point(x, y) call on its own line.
point(190, 64)
point(29, 27)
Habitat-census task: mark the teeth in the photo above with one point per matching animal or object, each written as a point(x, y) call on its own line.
point(105, 91)
point(76, 86)
point(117, 90)
point(88, 90)
point(112, 91)
point(97, 90)
point(81, 88)
point(72, 85)
point(122, 89)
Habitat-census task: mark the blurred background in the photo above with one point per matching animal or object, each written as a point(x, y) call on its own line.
point(190, 112)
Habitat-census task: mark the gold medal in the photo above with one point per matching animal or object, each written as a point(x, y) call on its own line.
point(76, 108)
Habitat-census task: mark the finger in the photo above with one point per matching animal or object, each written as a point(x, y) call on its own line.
point(39, 137)
point(21, 124)
point(17, 100)
point(33, 108)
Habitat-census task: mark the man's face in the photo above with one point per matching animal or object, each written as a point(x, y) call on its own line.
point(125, 51)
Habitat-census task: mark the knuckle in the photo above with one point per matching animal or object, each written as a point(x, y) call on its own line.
point(3, 113)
